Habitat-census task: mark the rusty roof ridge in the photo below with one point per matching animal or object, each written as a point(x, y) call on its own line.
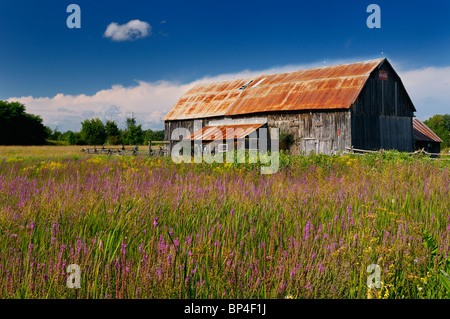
point(287, 82)
point(316, 79)
point(311, 69)
point(345, 76)
point(330, 66)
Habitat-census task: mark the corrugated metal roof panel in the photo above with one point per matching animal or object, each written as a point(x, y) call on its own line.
point(424, 133)
point(331, 87)
point(223, 132)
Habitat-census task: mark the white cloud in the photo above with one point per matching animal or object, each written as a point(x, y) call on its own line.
point(428, 88)
point(132, 30)
point(148, 101)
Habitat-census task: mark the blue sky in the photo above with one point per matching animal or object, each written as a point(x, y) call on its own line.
point(66, 75)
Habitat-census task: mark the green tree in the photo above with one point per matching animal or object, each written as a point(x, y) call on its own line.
point(73, 138)
point(93, 132)
point(54, 135)
point(154, 135)
point(113, 133)
point(440, 124)
point(18, 127)
point(70, 138)
point(133, 134)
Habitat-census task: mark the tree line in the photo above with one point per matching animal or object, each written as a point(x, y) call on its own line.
point(20, 128)
point(95, 132)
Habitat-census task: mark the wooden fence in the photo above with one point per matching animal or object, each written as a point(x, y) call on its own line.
point(130, 151)
point(421, 151)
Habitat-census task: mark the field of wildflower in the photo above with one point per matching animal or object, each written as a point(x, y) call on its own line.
point(149, 228)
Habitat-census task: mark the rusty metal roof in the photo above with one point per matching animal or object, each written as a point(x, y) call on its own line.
point(423, 133)
point(223, 132)
point(331, 87)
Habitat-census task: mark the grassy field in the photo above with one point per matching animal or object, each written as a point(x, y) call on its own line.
point(54, 152)
point(149, 228)
point(41, 152)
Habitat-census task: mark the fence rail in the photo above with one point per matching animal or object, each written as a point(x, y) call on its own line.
point(131, 151)
point(421, 151)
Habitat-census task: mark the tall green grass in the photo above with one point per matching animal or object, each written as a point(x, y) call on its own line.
point(149, 228)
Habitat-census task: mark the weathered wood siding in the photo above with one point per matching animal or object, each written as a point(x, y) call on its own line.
point(318, 132)
point(170, 126)
point(326, 132)
point(382, 114)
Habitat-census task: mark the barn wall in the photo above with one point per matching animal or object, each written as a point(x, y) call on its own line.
point(320, 132)
point(326, 132)
point(382, 114)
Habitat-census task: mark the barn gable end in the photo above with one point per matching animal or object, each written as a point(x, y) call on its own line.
point(382, 113)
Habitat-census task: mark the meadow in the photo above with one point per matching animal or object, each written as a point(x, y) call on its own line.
point(149, 228)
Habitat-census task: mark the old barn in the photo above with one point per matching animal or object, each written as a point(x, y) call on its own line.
point(362, 105)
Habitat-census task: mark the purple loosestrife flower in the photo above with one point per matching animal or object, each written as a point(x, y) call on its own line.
point(158, 271)
point(320, 267)
point(306, 231)
point(55, 227)
point(161, 243)
point(79, 246)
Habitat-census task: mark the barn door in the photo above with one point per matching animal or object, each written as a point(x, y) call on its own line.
point(310, 144)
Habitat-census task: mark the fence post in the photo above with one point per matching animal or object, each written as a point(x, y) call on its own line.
point(149, 147)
